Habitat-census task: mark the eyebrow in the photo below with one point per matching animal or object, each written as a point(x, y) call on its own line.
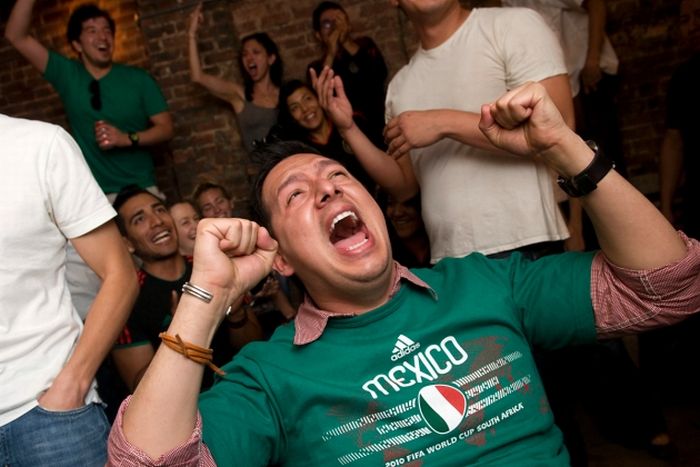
point(319, 165)
point(141, 211)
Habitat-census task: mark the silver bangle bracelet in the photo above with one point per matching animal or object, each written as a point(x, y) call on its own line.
point(197, 292)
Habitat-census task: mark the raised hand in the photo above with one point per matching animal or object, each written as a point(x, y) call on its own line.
point(231, 256)
point(196, 18)
point(332, 98)
point(524, 121)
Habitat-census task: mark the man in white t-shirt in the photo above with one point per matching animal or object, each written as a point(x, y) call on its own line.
point(49, 409)
point(474, 198)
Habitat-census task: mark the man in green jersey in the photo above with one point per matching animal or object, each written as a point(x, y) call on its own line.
point(386, 366)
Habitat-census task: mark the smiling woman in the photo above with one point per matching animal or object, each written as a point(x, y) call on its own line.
point(302, 118)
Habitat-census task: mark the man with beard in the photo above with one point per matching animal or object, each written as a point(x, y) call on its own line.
point(461, 387)
point(150, 234)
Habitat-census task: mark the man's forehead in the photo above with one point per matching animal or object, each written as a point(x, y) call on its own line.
point(295, 167)
point(138, 202)
point(96, 21)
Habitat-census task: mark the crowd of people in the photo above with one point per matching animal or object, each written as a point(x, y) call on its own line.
point(432, 267)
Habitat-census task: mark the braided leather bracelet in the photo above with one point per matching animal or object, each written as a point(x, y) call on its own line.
point(190, 351)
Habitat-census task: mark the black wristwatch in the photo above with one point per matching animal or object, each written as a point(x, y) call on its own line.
point(134, 138)
point(587, 180)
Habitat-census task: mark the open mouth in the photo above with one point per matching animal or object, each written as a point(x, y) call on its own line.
point(347, 231)
point(162, 237)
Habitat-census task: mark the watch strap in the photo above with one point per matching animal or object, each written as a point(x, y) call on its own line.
point(587, 180)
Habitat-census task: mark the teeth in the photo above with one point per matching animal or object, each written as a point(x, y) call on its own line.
point(358, 245)
point(161, 236)
point(340, 217)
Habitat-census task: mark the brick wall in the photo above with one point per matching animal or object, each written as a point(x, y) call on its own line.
point(152, 34)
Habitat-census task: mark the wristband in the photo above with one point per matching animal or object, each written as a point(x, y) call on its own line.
point(587, 180)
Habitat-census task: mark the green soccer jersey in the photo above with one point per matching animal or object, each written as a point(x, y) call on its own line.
point(128, 97)
point(440, 377)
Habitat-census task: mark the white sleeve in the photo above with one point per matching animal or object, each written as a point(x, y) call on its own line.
point(76, 203)
point(530, 49)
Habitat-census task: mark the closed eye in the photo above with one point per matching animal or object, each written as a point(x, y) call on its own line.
point(293, 195)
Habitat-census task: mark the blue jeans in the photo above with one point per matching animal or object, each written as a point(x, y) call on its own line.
point(76, 438)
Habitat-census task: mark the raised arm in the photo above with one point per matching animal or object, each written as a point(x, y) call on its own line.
point(417, 129)
point(163, 411)
point(103, 250)
point(395, 176)
point(223, 89)
point(632, 232)
point(17, 32)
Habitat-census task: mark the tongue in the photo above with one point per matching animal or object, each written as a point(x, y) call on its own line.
point(346, 243)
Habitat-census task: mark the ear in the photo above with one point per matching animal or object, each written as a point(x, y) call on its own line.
point(272, 58)
point(318, 36)
point(77, 46)
point(280, 264)
point(129, 245)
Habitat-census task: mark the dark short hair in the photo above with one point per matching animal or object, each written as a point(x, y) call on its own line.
point(83, 13)
point(206, 186)
point(124, 195)
point(267, 157)
point(276, 69)
point(322, 8)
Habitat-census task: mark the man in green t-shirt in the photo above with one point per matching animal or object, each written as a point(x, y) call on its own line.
point(115, 111)
point(386, 366)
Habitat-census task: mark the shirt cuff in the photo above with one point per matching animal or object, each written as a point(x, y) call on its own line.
point(122, 453)
point(629, 301)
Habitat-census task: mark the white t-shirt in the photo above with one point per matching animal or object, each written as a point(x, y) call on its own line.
point(474, 200)
point(569, 21)
point(47, 195)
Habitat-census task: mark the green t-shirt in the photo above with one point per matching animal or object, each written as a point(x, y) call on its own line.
point(443, 379)
point(129, 98)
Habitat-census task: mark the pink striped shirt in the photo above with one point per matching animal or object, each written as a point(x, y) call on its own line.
point(624, 301)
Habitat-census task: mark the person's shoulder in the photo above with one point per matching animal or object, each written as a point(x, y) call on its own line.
point(9, 123)
point(32, 133)
point(280, 346)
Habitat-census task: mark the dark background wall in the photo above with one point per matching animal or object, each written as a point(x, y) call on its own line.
point(152, 34)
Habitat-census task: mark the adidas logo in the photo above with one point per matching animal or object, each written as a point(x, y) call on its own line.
point(403, 347)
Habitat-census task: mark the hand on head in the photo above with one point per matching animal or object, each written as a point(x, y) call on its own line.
point(231, 255)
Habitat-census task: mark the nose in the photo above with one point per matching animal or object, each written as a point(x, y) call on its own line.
point(155, 220)
point(326, 191)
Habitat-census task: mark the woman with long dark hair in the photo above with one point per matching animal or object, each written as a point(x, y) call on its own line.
point(255, 100)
